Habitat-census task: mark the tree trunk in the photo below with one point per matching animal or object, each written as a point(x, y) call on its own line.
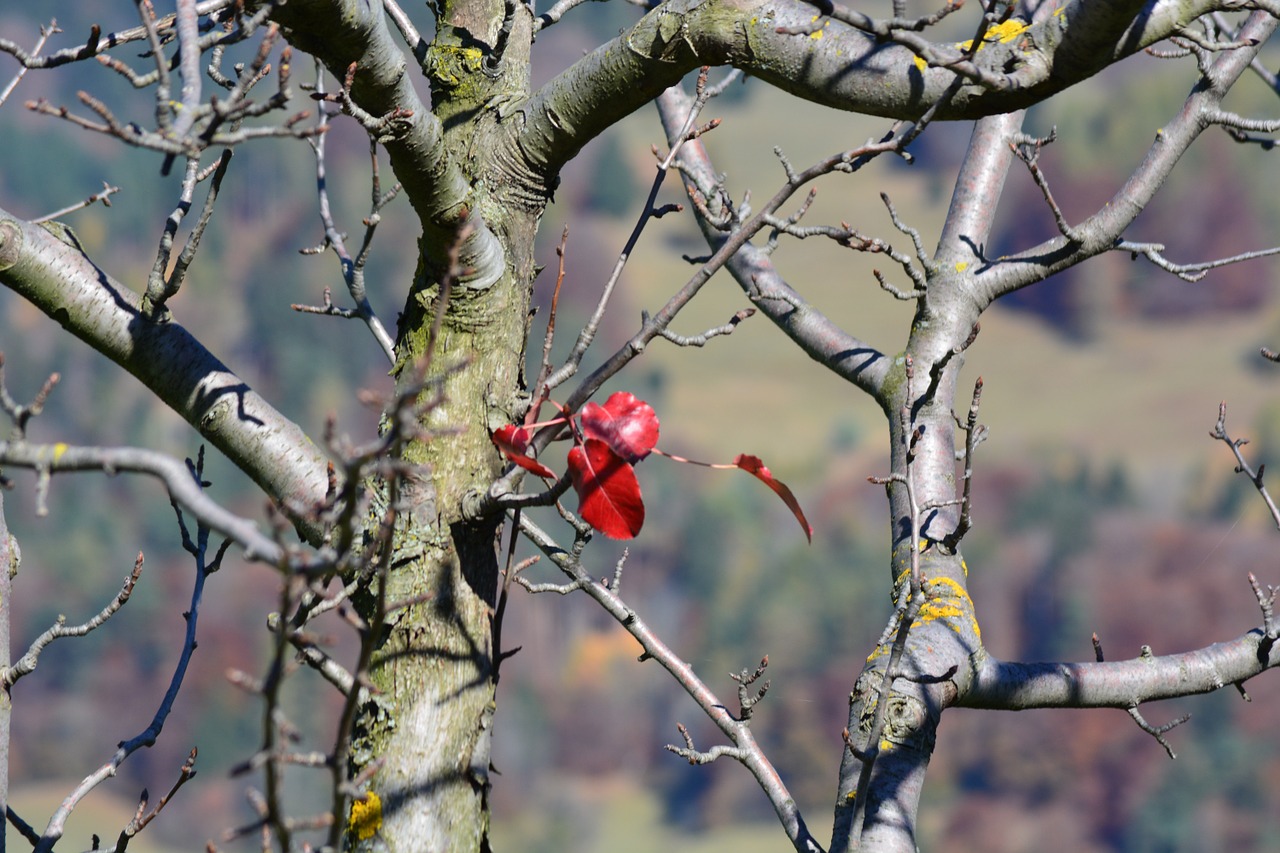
point(430, 722)
point(879, 791)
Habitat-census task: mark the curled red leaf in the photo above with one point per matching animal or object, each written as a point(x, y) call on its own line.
point(753, 466)
point(513, 441)
point(627, 424)
point(608, 491)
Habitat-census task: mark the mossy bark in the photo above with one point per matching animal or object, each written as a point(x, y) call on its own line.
point(430, 723)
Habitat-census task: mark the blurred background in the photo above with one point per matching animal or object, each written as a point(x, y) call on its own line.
point(1101, 504)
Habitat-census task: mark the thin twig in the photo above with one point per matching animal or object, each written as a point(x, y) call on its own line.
point(1219, 432)
point(45, 32)
point(104, 197)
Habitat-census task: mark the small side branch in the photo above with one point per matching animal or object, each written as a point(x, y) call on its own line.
point(1027, 149)
point(701, 340)
point(695, 756)
point(97, 41)
point(104, 196)
point(48, 459)
point(45, 32)
point(974, 435)
point(746, 679)
point(1219, 432)
point(555, 13)
point(26, 664)
point(22, 414)
point(162, 287)
point(848, 237)
point(1158, 732)
point(407, 30)
point(1187, 272)
point(353, 269)
point(142, 816)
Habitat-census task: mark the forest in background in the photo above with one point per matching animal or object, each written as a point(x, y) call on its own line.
point(1104, 488)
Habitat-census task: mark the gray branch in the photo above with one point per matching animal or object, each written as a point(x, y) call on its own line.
point(48, 459)
point(342, 32)
point(812, 330)
point(745, 749)
point(854, 70)
point(1103, 231)
point(55, 275)
point(1009, 686)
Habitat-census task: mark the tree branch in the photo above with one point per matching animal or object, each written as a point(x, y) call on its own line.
point(1006, 686)
point(1103, 231)
point(834, 63)
point(55, 275)
point(824, 341)
point(342, 32)
point(737, 729)
point(48, 459)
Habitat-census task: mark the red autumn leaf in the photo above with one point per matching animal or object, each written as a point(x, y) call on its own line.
point(513, 441)
point(608, 491)
point(753, 466)
point(627, 424)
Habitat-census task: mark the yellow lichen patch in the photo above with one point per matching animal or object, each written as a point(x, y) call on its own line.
point(58, 450)
point(1006, 32)
point(1002, 33)
point(961, 266)
point(941, 608)
point(964, 567)
point(886, 745)
point(947, 601)
point(366, 817)
point(449, 63)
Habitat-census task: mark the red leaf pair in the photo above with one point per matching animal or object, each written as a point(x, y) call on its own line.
point(614, 436)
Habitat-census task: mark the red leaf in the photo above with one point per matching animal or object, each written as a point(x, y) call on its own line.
point(608, 491)
point(512, 441)
point(753, 466)
point(628, 425)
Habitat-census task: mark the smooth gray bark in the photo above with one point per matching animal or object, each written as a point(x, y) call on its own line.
point(55, 275)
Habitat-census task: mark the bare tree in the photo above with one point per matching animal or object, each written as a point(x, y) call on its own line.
point(408, 526)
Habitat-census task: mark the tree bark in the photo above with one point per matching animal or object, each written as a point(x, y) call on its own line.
point(9, 559)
